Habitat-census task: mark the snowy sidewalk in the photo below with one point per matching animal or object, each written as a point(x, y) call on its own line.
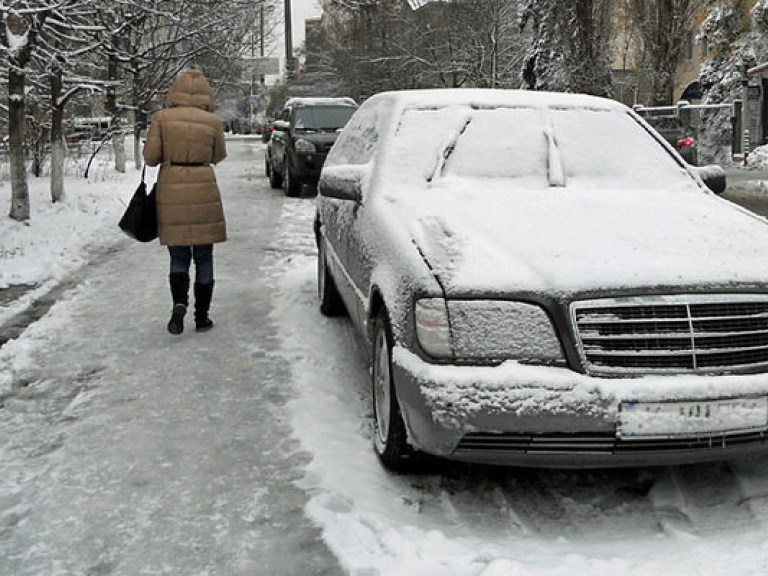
point(125, 450)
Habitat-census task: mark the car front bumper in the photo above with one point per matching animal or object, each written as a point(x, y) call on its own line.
point(307, 166)
point(521, 415)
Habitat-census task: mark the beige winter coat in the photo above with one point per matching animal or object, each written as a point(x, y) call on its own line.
point(186, 137)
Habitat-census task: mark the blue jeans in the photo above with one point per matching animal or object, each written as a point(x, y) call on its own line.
point(182, 256)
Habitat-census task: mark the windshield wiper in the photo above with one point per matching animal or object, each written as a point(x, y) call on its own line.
point(555, 171)
point(447, 150)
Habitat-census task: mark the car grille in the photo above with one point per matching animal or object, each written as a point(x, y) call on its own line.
point(479, 442)
point(678, 334)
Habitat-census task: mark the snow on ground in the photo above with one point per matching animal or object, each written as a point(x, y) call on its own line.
point(758, 158)
point(56, 238)
point(451, 520)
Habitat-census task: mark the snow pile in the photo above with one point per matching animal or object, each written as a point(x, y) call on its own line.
point(57, 237)
point(758, 158)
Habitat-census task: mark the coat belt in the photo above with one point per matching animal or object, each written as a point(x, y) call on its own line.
point(189, 164)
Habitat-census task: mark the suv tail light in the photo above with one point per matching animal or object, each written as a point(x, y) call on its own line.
point(684, 142)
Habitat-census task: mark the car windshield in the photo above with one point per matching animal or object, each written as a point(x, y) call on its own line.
point(536, 148)
point(323, 118)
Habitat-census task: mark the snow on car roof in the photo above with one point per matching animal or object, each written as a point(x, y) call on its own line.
point(492, 97)
point(318, 101)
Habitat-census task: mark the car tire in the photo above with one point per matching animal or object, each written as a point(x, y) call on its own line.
point(291, 185)
point(266, 166)
point(331, 303)
point(389, 434)
point(275, 180)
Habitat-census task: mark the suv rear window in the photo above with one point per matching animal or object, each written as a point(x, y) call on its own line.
point(322, 118)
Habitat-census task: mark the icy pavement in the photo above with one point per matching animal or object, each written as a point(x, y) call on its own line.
point(127, 451)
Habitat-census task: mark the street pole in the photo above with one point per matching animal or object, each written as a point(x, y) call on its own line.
point(261, 38)
point(288, 42)
point(250, 96)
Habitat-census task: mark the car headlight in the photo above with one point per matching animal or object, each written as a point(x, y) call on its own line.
point(305, 146)
point(432, 328)
point(487, 330)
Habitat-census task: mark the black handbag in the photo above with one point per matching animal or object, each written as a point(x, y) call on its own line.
point(140, 218)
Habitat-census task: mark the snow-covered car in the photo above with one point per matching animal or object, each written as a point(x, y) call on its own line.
point(530, 297)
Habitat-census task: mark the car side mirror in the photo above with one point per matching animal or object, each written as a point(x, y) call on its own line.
point(343, 182)
point(713, 176)
point(282, 125)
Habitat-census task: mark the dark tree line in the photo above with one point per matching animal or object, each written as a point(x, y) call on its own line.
point(365, 46)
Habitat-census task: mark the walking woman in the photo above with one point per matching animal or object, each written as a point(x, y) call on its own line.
point(186, 138)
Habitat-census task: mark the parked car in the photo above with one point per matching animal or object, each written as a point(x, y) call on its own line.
point(301, 139)
point(677, 133)
point(530, 297)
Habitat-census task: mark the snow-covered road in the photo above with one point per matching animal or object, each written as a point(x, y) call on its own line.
point(124, 450)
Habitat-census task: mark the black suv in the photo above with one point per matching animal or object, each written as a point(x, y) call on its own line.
point(303, 135)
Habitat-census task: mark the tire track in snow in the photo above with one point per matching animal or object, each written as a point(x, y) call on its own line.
point(692, 500)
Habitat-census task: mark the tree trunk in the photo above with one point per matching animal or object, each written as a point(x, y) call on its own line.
point(118, 145)
point(118, 140)
point(138, 158)
point(19, 191)
point(57, 138)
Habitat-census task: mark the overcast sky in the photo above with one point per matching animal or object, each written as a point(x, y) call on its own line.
point(300, 11)
point(303, 9)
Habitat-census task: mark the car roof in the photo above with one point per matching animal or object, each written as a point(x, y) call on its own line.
point(482, 97)
point(319, 101)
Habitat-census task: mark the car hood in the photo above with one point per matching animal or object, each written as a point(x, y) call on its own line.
point(562, 241)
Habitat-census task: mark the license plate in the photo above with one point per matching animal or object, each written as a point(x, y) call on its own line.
point(671, 419)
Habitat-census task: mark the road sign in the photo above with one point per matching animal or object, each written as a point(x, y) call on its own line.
point(261, 66)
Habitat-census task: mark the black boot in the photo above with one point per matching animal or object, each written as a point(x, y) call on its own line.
point(180, 294)
point(203, 295)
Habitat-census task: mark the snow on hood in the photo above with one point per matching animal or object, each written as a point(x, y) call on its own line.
point(560, 198)
point(563, 240)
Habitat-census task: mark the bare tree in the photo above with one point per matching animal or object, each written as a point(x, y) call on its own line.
point(490, 46)
point(149, 43)
point(21, 23)
point(666, 28)
point(54, 50)
point(63, 46)
point(366, 47)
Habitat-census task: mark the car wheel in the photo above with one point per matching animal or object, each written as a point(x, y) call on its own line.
point(275, 180)
point(389, 435)
point(291, 185)
point(331, 303)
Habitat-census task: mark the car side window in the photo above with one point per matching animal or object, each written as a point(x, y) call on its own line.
point(358, 141)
